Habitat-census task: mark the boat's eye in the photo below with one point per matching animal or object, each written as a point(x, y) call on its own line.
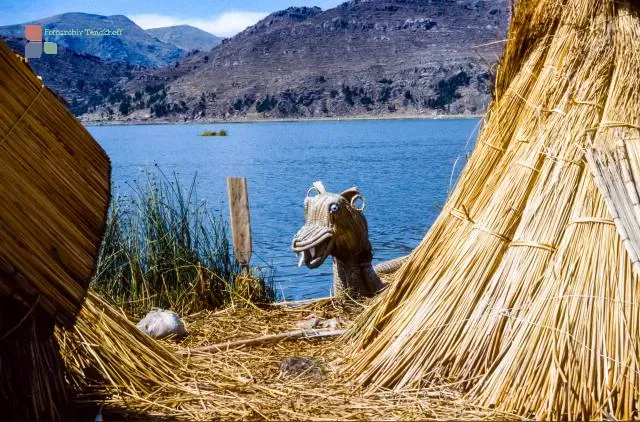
point(333, 208)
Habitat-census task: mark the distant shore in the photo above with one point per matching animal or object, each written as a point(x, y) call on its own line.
point(281, 120)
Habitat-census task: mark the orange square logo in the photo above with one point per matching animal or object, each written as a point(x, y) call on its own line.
point(33, 32)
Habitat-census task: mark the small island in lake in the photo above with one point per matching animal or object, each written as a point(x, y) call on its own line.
point(221, 132)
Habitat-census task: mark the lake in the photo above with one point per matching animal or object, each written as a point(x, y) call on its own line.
point(403, 168)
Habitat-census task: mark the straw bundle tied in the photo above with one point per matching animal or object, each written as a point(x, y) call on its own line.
point(31, 371)
point(105, 348)
point(523, 290)
point(55, 186)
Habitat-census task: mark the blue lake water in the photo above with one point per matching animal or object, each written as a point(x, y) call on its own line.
point(404, 169)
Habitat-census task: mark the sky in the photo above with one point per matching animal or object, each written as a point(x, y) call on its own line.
point(220, 17)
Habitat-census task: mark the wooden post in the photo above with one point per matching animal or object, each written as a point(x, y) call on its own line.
point(240, 220)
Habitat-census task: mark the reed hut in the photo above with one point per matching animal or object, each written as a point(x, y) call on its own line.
point(55, 187)
point(525, 290)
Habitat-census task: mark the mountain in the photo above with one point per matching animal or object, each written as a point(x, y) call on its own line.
point(186, 37)
point(364, 57)
point(80, 79)
point(134, 46)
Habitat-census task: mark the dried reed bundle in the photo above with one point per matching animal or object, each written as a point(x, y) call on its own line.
point(55, 187)
point(615, 181)
point(31, 371)
point(54, 184)
point(522, 290)
point(105, 348)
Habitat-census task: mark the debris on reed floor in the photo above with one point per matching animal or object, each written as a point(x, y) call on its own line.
point(311, 322)
point(301, 366)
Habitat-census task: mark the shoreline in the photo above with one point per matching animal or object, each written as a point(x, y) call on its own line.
point(92, 123)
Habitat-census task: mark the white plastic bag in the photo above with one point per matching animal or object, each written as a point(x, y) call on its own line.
point(161, 323)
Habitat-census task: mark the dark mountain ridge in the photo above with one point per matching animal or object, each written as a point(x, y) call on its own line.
point(82, 80)
point(186, 37)
point(134, 46)
point(377, 57)
point(362, 58)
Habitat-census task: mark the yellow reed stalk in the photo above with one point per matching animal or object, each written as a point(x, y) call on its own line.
point(105, 347)
point(522, 291)
point(55, 185)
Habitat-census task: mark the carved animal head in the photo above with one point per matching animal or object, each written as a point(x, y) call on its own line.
point(334, 225)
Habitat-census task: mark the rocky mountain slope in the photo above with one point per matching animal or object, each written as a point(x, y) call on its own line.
point(79, 79)
point(186, 37)
point(364, 57)
point(135, 46)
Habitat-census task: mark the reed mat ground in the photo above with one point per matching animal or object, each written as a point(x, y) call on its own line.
point(247, 383)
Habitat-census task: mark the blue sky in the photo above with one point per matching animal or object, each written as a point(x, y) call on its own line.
point(220, 17)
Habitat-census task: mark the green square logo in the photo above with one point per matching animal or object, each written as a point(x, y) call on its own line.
point(50, 48)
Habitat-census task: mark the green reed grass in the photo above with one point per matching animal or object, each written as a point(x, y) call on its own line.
point(165, 248)
point(214, 133)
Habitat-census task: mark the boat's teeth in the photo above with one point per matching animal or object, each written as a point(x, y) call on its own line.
point(300, 259)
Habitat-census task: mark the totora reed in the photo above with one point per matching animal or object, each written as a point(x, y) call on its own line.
point(55, 189)
point(523, 291)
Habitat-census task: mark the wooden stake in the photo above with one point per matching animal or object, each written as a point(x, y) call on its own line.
point(240, 220)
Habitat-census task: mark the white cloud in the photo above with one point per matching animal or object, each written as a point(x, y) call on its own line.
point(148, 21)
point(224, 25)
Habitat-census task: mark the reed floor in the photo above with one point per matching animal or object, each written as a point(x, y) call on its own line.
point(247, 383)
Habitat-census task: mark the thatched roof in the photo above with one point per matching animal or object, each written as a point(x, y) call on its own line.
point(523, 290)
point(618, 184)
point(55, 187)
